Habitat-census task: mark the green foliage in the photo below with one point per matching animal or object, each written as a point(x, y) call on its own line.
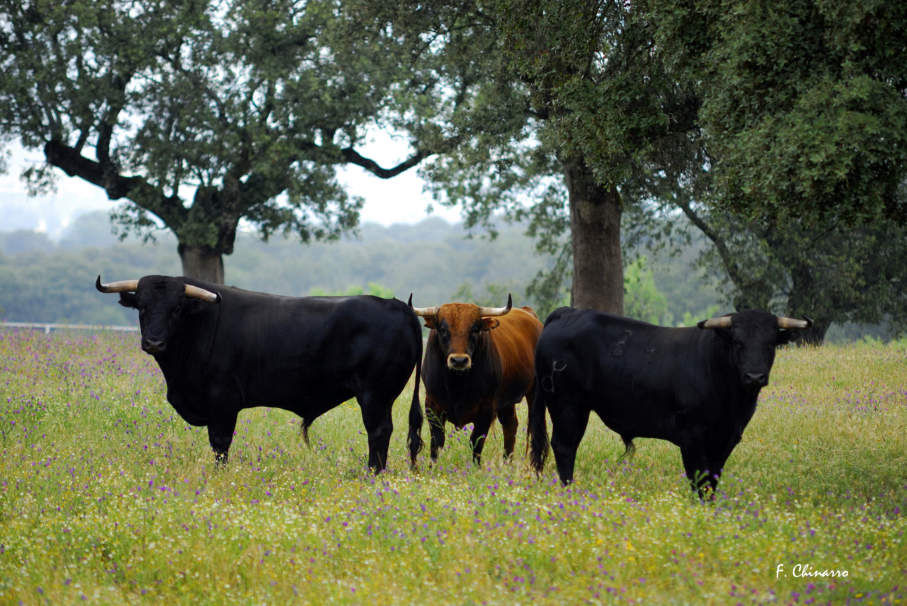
point(250, 107)
point(107, 495)
point(57, 285)
point(545, 84)
point(432, 260)
point(642, 299)
point(803, 108)
point(689, 319)
point(55, 282)
point(373, 288)
point(797, 176)
point(550, 288)
point(831, 272)
point(491, 295)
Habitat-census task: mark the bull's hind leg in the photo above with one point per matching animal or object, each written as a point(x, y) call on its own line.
point(220, 436)
point(376, 415)
point(509, 423)
point(568, 425)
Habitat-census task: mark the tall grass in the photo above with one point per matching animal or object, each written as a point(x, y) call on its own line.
point(106, 495)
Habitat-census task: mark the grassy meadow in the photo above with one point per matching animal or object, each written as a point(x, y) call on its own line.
point(107, 496)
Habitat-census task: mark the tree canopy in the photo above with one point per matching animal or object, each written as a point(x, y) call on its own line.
point(561, 104)
point(797, 168)
point(202, 114)
point(780, 131)
point(804, 105)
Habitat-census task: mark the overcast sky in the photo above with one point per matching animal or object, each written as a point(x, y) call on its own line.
point(387, 201)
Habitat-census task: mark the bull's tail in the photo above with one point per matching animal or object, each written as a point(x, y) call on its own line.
point(629, 448)
point(414, 439)
point(304, 430)
point(531, 399)
point(538, 430)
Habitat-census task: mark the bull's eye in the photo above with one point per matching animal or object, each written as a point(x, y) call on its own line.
point(476, 329)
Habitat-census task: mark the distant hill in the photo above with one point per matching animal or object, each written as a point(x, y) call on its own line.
point(46, 280)
point(52, 280)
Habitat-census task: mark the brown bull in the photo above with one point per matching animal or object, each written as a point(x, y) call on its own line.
point(479, 363)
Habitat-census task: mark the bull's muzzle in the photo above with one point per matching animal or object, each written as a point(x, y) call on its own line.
point(459, 362)
point(153, 346)
point(757, 379)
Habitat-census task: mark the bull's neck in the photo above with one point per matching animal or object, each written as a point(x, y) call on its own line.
point(726, 374)
point(190, 352)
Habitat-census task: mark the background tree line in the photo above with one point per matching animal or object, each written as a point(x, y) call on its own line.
point(47, 280)
point(779, 132)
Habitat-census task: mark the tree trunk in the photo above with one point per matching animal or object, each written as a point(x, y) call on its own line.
point(815, 334)
point(598, 275)
point(801, 301)
point(202, 263)
point(754, 294)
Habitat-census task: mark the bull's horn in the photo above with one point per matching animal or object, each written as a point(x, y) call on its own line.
point(719, 322)
point(423, 311)
point(200, 293)
point(121, 286)
point(486, 312)
point(793, 323)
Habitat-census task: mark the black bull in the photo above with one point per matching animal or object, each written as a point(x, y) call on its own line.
point(223, 349)
point(695, 387)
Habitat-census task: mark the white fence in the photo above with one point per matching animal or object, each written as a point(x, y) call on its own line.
point(47, 328)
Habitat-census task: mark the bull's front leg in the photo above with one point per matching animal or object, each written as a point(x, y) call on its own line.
point(220, 436)
point(480, 432)
point(436, 420)
point(703, 480)
point(509, 423)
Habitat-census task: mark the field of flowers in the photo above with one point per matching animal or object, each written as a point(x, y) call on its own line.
point(107, 496)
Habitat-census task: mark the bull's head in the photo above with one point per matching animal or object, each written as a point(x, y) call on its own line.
point(753, 336)
point(162, 303)
point(459, 327)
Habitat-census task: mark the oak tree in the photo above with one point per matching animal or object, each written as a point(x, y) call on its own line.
point(199, 115)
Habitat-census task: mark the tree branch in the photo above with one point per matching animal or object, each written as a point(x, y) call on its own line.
point(105, 127)
point(353, 157)
point(726, 257)
point(136, 189)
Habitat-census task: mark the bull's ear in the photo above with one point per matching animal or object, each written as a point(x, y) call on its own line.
point(430, 321)
point(720, 325)
point(192, 306)
point(787, 336)
point(724, 333)
point(489, 323)
point(128, 299)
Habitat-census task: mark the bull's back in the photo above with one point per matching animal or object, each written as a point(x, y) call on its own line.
point(637, 376)
point(515, 340)
point(321, 347)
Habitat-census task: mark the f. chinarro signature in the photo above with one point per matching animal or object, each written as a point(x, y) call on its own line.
point(808, 570)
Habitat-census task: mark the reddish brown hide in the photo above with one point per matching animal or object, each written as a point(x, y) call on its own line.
point(479, 363)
